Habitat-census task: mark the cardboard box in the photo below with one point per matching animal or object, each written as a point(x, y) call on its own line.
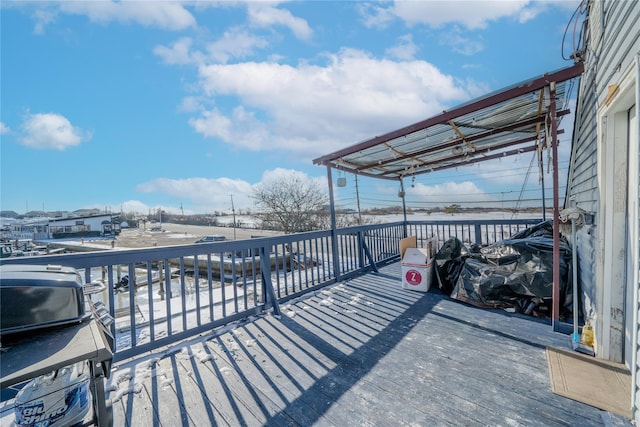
point(417, 264)
point(408, 242)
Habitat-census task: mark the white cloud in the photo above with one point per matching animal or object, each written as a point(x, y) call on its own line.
point(140, 208)
point(374, 16)
point(472, 14)
point(406, 49)
point(466, 14)
point(178, 53)
point(476, 88)
point(471, 66)
point(240, 128)
point(265, 14)
point(209, 194)
point(4, 128)
point(310, 109)
point(169, 15)
point(460, 43)
point(447, 192)
point(201, 193)
point(277, 174)
point(190, 104)
point(535, 8)
point(213, 124)
point(51, 131)
point(135, 206)
point(235, 43)
point(43, 17)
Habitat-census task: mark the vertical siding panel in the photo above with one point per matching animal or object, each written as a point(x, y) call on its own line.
point(616, 42)
point(611, 41)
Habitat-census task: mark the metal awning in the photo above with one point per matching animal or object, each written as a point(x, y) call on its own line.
point(521, 118)
point(508, 122)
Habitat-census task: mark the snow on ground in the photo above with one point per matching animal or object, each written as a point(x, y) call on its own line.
point(128, 376)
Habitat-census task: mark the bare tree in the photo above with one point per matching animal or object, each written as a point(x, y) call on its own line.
point(291, 204)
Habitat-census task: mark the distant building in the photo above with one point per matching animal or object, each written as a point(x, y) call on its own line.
point(26, 229)
point(84, 226)
point(58, 228)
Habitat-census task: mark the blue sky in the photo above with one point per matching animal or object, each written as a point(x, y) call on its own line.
point(136, 105)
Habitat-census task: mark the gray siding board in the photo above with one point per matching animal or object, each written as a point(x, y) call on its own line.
point(584, 195)
point(586, 245)
point(620, 38)
point(611, 51)
point(583, 180)
point(584, 152)
point(620, 43)
point(618, 46)
point(584, 189)
point(583, 169)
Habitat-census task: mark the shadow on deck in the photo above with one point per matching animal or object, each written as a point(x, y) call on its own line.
point(361, 352)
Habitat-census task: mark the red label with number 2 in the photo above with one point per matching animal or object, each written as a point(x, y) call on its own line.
point(413, 277)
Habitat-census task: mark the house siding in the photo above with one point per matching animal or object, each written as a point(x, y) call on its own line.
point(610, 48)
point(611, 43)
point(583, 183)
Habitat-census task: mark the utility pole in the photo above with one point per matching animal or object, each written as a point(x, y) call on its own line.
point(233, 212)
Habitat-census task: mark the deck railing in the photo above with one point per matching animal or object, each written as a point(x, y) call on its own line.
point(175, 292)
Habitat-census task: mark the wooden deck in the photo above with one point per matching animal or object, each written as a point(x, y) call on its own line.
point(360, 353)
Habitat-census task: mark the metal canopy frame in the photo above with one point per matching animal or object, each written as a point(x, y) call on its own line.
point(521, 118)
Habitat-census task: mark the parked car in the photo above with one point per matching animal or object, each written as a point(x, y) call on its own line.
point(214, 238)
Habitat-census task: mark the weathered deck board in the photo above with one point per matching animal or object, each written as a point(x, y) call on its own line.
point(362, 352)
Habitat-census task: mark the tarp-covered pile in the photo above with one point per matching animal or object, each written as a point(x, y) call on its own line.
point(515, 273)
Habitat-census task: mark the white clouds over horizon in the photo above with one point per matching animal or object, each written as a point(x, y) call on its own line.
point(198, 100)
point(447, 192)
point(208, 194)
point(202, 194)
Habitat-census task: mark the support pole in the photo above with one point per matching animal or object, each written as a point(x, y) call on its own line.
point(334, 234)
point(404, 206)
point(358, 201)
point(544, 196)
point(555, 316)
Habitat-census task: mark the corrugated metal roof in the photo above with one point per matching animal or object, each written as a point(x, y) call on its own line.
point(507, 122)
